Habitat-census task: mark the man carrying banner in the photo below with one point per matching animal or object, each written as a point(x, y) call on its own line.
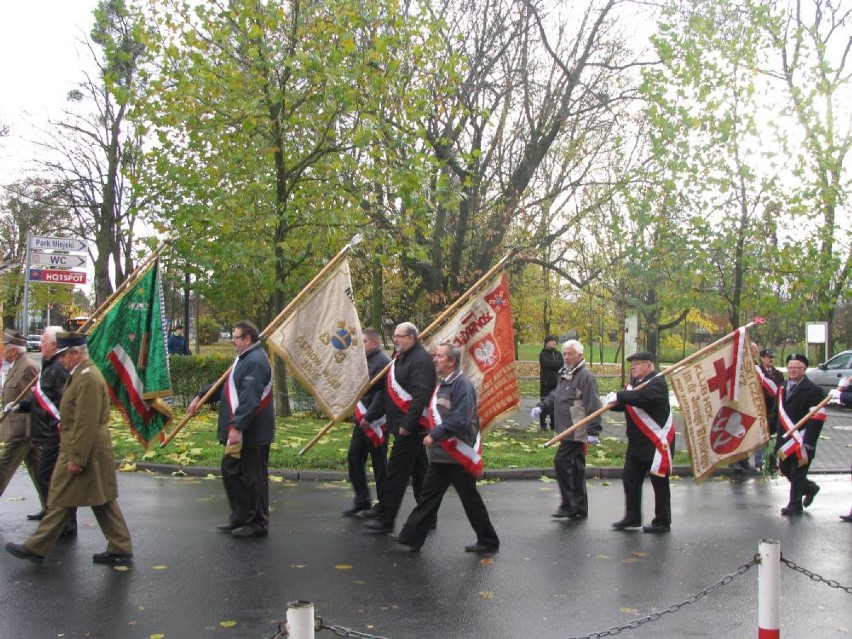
point(454, 457)
point(410, 383)
point(17, 445)
point(85, 471)
point(650, 443)
point(575, 397)
point(246, 429)
point(795, 399)
point(369, 435)
point(43, 406)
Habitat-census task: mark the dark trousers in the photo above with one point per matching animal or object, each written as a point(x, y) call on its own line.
point(246, 482)
point(570, 466)
point(48, 454)
point(798, 478)
point(438, 479)
point(632, 479)
point(360, 447)
point(109, 518)
point(407, 461)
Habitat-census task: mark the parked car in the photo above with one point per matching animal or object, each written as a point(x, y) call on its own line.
point(33, 342)
point(827, 375)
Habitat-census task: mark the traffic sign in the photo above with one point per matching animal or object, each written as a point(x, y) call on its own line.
point(56, 276)
point(57, 243)
point(57, 260)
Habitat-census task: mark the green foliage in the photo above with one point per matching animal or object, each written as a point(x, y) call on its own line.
point(190, 373)
point(208, 331)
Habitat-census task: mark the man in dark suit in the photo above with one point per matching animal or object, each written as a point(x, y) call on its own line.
point(795, 399)
point(246, 430)
point(650, 443)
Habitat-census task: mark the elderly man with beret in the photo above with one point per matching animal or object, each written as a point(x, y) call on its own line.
point(650, 443)
point(795, 452)
point(17, 441)
point(85, 471)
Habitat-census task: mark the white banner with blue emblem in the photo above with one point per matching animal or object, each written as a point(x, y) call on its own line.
point(321, 343)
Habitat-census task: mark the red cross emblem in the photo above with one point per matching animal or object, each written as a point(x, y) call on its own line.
point(719, 382)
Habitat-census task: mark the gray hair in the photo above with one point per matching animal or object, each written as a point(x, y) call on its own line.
point(51, 332)
point(409, 328)
point(453, 351)
point(19, 349)
point(573, 345)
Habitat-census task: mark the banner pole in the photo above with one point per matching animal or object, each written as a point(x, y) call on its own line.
point(356, 239)
point(27, 388)
point(801, 423)
point(671, 369)
point(437, 322)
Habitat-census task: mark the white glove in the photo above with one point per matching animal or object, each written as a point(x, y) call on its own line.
point(593, 440)
point(611, 398)
point(834, 394)
point(535, 412)
point(11, 407)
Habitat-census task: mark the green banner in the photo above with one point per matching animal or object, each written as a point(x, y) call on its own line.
point(129, 346)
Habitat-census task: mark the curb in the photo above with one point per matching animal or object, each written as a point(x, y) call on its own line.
point(503, 474)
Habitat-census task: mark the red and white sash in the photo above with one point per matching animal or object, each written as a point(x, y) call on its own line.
point(402, 398)
point(233, 396)
point(795, 444)
point(130, 379)
point(376, 430)
point(661, 436)
point(470, 457)
point(768, 384)
point(44, 401)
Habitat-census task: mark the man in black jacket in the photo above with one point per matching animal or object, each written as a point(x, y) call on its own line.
point(369, 435)
point(410, 383)
point(43, 406)
point(650, 443)
point(795, 399)
point(246, 429)
point(549, 365)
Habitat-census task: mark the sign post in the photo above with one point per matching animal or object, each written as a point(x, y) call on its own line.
point(52, 257)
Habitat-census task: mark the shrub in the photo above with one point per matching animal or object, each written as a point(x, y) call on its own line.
point(208, 331)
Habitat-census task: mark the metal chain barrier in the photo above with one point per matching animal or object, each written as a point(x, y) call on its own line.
point(674, 607)
point(340, 631)
point(815, 577)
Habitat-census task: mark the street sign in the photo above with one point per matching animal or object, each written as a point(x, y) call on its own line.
point(57, 260)
point(57, 243)
point(56, 276)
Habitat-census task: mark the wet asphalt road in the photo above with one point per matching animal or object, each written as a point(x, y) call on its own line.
point(550, 579)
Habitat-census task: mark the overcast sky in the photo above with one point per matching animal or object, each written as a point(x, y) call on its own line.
point(42, 59)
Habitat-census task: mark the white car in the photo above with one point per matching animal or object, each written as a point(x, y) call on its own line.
point(33, 342)
point(827, 375)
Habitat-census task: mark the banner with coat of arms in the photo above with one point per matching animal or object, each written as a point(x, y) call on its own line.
point(483, 330)
point(721, 400)
point(321, 343)
point(129, 347)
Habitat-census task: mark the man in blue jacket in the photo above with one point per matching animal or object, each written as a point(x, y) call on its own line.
point(246, 428)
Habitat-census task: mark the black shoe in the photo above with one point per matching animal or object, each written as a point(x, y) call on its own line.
point(36, 516)
point(482, 549)
point(244, 532)
point(22, 552)
point(791, 511)
point(227, 528)
point(847, 517)
point(810, 493)
point(357, 508)
point(372, 513)
point(114, 558)
point(377, 526)
point(563, 514)
point(624, 523)
point(69, 532)
point(578, 515)
point(656, 528)
point(413, 547)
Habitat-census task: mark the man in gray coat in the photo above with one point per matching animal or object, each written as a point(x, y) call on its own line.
point(575, 396)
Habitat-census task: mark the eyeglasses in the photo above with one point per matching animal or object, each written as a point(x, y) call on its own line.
point(401, 335)
point(795, 368)
point(238, 336)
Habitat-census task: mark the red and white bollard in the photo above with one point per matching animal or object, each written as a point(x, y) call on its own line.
point(768, 589)
point(300, 619)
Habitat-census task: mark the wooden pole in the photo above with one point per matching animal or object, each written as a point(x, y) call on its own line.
point(671, 369)
point(28, 387)
point(801, 423)
point(436, 323)
point(269, 328)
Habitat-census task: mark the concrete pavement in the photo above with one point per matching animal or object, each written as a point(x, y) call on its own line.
point(551, 579)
